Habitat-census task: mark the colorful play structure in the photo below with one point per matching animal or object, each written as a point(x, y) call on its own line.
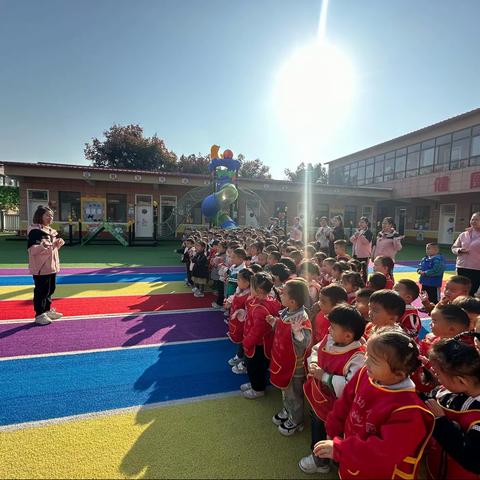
point(218, 206)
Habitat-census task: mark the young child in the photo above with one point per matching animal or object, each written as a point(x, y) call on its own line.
point(238, 263)
point(327, 271)
point(456, 286)
point(410, 320)
point(258, 334)
point(310, 272)
point(352, 282)
point(362, 300)
point(216, 263)
point(385, 265)
point(377, 281)
point(453, 450)
point(280, 274)
point(332, 363)
point(471, 305)
point(385, 308)
point(431, 269)
point(273, 258)
point(379, 427)
point(292, 267)
point(319, 257)
point(200, 269)
point(187, 251)
point(340, 248)
point(330, 297)
point(292, 335)
point(337, 271)
point(237, 305)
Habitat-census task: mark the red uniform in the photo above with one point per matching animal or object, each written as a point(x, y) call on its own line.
point(256, 330)
point(410, 322)
point(314, 290)
point(235, 324)
point(321, 397)
point(321, 327)
point(284, 360)
point(390, 283)
point(351, 297)
point(378, 433)
point(423, 376)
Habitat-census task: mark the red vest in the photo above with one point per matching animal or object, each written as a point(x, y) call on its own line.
point(284, 360)
point(320, 328)
point(235, 326)
point(442, 465)
point(372, 407)
point(410, 322)
point(320, 397)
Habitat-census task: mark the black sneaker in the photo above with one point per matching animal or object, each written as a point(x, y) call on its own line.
point(280, 417)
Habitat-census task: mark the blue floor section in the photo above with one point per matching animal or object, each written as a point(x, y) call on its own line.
point(63, 385)
point(97, 278)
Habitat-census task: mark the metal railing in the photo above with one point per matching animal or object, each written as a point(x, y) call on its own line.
point(9, 222)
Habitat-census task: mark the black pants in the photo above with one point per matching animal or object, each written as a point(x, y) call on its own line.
point(257, 369)
point(189, 275)
point(364, 271)
point(220, 288)
point(473, 275)
point(432, 293)
point(318, 434)
point(43, 291)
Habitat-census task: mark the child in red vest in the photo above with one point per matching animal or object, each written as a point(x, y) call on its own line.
point(332, 363)
point(410, 320)
point(454, 448)
point(258, 334)
point(385, 265)
point(377, 281)
point(379, 427)
point(361, 302)
point(352, 282)
point(237, 305)
point(471, 305)
point(310, 272)
point(292, 336)
point(330, 296)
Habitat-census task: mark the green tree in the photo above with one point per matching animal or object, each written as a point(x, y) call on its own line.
point(126, 147)
point(9, 198)
point(253, 168)
point(194, 164)
point(318, 174)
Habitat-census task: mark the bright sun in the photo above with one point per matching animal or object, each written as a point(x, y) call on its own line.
point(313, 91)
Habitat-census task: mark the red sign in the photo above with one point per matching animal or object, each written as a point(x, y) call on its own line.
point(475, 180)
point(442, 184)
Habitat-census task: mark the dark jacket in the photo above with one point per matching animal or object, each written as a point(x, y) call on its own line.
point(200, 265)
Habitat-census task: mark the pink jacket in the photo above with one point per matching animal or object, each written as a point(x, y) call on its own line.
point(387, 246)
point(43, 256)
point(362, 248)
point(466, 241)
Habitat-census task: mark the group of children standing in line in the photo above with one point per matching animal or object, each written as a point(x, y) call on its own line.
point(314, 326)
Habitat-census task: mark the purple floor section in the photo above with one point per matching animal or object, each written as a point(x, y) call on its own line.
point(94, 270)
point(122, 331)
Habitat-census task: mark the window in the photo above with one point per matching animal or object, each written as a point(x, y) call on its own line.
point(460, 153)
point(442, 157)
point(422, 218)
point(475, 148)
point(474, 208)
point(427, 158)
point(412, 163)
point(389, 169)
point(379, 165)
point(353, 175)
point(350, 217)
point(400, 164)
point(70, 206)
point(116, 208)
point(461, 134)
point(369, 169)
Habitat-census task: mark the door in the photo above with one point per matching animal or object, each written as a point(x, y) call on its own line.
point(168, 204)
point(446, 223)
point(36, 198)
point(400, 217)
point(143, 216)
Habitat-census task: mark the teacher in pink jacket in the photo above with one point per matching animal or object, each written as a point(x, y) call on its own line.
point(389, 241)
point(467, 249)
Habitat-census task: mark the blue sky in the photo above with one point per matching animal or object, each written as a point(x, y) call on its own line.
point(198, 72)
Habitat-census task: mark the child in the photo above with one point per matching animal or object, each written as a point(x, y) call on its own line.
point(362, 245)
point(262, 259)
point(352, 282)
point(361, 302)
point(379, 427)
point(471, 305)
point(453, 451)
point(187, 251)
point(280, 274)
point(385, 265)
point(290, 265)
point(199, 269)
point(337, 271)
point(310, 272)
point(332, 363)
point(238, 263)
point(237, 304)
point(431, 269)
point(410, 321)
point(456, 286)
point(385, 309)
point(340, 248)
point(258, 335)
point(44, 264)
point(217, 261)
point(327, 271)
point(330, 297)
point(319, 257)
point(273, 258)
point(377, 281)
point(292, 335)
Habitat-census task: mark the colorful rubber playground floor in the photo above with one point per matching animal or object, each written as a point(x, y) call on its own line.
point(131, 383)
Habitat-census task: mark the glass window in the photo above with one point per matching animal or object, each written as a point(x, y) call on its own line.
point(442, 157)
point(350, 217)
point(460, 153)
point(422, 218)
point(443, 139)
point(401, 152)
point(379, 164)
point(41, 195)
point(428, 144)
point(116, 208)
point(476, 130)
point(361, 163)
point(461, 134)
point(475, 207)
point(70, 206)
point(400, 164)
point(426, 160)
point(412, 164)
point(475, 146)
point(388, 172)
point(361, 171)
point(369, 172)
point(413, 148)
point(389, 155)
point(370, 161)
point(353, 175)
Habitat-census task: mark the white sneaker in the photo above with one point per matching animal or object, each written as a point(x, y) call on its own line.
point(234, 361)
point(198, 294)
point(288, 428)
point(280, 417)
point(216, 306)
point(252, 394)
point(239, 369)
point(54, 315)
point(308, 465)
point(42, 319)
point(245, 386)
point(195, 289)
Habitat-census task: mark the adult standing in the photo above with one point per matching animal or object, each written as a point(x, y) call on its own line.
point(296, 233)
point(323, 236)
point(338, 233)
point(389, 241)
point(362, 245)
point(44, 264)
point(467, 249)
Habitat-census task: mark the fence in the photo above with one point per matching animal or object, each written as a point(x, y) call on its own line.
point(9, 222)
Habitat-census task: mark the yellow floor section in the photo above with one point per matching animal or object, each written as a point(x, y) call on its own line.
point(22, 292)
point(223, 438)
